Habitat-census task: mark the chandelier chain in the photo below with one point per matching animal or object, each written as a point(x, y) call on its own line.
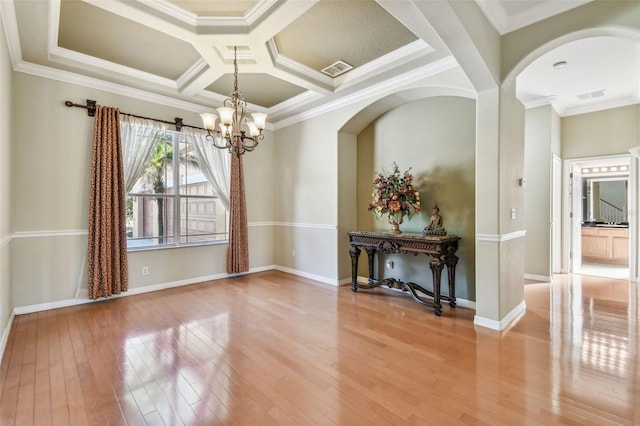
point(235, 69)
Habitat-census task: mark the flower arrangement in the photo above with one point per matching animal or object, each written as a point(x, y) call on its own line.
point(395, 195)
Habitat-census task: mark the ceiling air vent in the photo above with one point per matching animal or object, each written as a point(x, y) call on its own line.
point(591, 95)
point(337, 69)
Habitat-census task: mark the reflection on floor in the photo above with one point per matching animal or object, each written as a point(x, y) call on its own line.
point(274, 349)
point(604, 270)
point(591, 324)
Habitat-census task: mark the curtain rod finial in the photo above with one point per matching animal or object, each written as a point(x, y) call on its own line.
point(91, 108)
point(179, 124)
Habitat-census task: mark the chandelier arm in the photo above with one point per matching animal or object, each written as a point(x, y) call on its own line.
point(253, 141)
point(210, 137)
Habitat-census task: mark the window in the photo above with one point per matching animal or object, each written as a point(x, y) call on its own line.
point(172, 203)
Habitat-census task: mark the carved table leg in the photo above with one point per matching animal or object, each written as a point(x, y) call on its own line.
point(354, 252)
point(436, 266)
point(371, 254)
point(451, 260)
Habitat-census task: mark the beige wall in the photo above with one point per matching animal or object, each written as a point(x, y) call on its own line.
point(608, 132)
point(347, 199)
point(6, 79)
point(316, 163)
point(436, 138)
point(50, 195)
point(306, 188)
point(537, 196)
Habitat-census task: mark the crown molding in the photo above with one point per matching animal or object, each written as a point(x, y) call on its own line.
point(617, 103)
point(295, 102)
point(541, 11)
point(94, 83)
point(192, 19)
point(505, 23)
point(173, 10)
point(192, 72)
point(260, 8)
point(382, 64)
point(70, 57)
point(322, 81)
point(378, 90)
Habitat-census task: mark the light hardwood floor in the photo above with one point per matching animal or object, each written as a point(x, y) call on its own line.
point(271, 348)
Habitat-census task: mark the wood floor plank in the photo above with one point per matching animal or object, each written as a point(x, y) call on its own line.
point(272, 348)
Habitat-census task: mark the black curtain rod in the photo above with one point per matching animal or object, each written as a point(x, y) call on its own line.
point(91, 111)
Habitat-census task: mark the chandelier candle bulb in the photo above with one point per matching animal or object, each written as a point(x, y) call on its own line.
point(253, 128)
point(209, 120)
point(226, 115)
point(260, 120)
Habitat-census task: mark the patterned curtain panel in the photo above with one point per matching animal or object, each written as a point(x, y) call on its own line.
point(238, 250)
point(107, 245)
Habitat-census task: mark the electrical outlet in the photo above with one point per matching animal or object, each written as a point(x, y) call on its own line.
point(145, 270)
point(293, 253)
point(513, 213)
point(389, 264)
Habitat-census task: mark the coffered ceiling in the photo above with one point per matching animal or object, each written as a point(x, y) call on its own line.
point(181, 52)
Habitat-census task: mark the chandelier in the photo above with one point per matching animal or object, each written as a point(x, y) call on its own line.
point(230, 136)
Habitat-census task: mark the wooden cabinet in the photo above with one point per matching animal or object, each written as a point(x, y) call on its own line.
point(605, 245)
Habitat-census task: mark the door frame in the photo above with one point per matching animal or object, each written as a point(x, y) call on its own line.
point(555, 262)
point(567, 202)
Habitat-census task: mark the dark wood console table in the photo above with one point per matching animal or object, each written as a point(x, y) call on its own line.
point(440, 248)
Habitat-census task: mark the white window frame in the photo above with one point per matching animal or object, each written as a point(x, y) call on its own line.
point(177, 198)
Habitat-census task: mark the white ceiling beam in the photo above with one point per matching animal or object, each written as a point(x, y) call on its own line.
point(10, 24)
point(408, 15)
point(469, 36)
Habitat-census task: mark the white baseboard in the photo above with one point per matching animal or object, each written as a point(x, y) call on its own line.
point(542, 278)
point(314, 277)
point(505, 322)
point(464, 303)
point(345, 281)
point(132, 291)
point(5, 336)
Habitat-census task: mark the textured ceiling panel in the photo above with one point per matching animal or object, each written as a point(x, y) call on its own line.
point(215, 7)
point(258, 89)
point(90, 30)
point(353, 31)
